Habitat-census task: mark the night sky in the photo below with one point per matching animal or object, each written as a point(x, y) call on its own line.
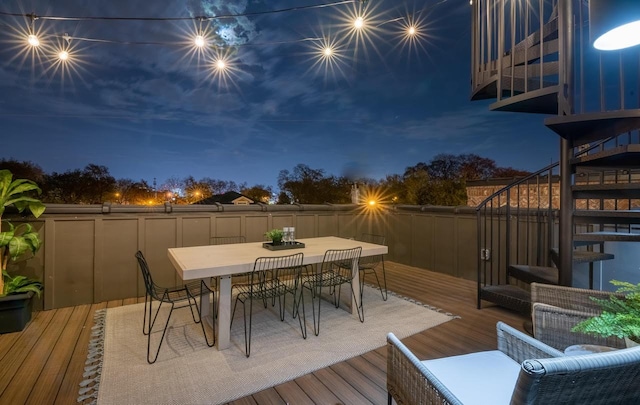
point(161, 109)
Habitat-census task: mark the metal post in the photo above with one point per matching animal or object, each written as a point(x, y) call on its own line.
point(565, 107)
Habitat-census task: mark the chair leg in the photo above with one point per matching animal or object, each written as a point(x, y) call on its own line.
point(384, 280)
point(164, 331)
point(193, 314)
point(316, 320)
point(145, 329)
point(301, 318)
point(213, 324)
point(360, 307)
point(303, 321)
point(247, 340)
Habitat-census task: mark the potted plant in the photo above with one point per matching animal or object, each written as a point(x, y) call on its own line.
point(16, 241)
point(620, 316)
point(275, 235)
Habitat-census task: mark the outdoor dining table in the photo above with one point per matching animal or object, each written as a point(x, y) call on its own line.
point(224, 261)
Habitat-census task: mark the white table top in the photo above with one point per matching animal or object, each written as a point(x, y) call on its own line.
point(219, 260)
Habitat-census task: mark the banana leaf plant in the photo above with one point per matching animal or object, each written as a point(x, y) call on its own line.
point(16, 241)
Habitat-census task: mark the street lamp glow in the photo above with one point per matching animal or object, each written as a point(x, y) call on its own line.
point(372, 203)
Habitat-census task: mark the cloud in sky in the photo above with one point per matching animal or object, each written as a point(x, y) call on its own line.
point(158, 111)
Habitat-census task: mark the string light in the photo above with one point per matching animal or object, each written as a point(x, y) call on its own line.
point(199, 41)
point(361, 25)
point(33, 40)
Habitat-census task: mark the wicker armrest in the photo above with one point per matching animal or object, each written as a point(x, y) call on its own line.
point(520, 346)
point(601, 378)
point(552, 325)
point(409, 381)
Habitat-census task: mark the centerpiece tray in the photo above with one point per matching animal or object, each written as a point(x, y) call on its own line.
point(282, 246)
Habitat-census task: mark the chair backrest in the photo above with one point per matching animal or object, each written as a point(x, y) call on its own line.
point(601, 378)
point(378, 240)
point(373, 238)
point(341, 260)
point(226, 240)
point(146, 274)
point(283, 268)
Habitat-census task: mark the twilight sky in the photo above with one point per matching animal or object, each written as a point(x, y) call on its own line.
point(161, 110)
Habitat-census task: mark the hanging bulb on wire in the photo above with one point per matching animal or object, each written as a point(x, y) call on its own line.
point(33, 40)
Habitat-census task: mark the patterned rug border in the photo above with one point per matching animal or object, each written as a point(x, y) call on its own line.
point(90, 385)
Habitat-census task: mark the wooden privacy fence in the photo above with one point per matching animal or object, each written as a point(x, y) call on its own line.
point(88, 251)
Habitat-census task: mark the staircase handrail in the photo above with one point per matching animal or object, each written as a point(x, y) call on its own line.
point(535, 174)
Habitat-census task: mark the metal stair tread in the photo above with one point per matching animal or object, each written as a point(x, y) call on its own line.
point(534, 274)
point(607, 213)
point(585, 256)
point(583, 128)
point(607, 236)
point(607, 216)
point(541, 101)
point(621, 156)
point(508, 296)
point(611, 190)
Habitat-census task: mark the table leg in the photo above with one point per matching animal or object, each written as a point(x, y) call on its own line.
point(224, 312)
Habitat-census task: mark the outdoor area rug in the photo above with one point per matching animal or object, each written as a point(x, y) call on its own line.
point(189, 372)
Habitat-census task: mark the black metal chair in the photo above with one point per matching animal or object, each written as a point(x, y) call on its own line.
point(226, 240)
point(370, 264)
point(271, 278)
point(336, 269)
point(182, 296)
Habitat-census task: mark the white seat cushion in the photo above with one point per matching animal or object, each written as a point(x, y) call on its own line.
point(483, 378)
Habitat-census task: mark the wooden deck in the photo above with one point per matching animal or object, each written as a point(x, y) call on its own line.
point(44, 363)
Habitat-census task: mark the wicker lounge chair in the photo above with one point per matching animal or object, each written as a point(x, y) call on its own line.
point(557, 309)
point(522, 371)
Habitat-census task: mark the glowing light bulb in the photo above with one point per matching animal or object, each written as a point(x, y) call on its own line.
point(372, 202)
point(358, 23)
point(220, 64)
point(33, 40)
point(199, 41)
point(63, 55)
point(327, 51)
point(412, 30)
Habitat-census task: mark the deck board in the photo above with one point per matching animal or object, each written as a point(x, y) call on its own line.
point(44, 363)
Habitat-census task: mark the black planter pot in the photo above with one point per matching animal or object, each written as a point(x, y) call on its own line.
point(15, 312)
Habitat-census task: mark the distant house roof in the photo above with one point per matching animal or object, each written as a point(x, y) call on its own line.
point(230, 197)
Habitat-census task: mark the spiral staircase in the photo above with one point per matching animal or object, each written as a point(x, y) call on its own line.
point(535, 57)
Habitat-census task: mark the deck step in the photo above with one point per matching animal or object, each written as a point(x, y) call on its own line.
point(534, 274)
point(508, 296)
